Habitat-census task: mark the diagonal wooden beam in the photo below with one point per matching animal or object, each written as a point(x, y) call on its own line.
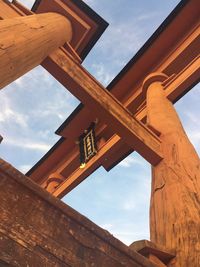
point(81, 174)
point(178, 84)
point(81, 84)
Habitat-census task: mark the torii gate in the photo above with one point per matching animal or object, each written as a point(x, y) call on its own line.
point(167, 75)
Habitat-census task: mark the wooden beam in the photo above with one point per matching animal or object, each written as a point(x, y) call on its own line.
point(175, 54)
point(53, 234)
point(176, 87)
point(185, 79)
point(81, 174)
point(82, 85)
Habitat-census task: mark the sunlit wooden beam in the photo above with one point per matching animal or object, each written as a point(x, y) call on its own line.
point(175, 86)
point(81, 84)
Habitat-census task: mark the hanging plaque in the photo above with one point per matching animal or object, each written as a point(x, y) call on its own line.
point(87, 145)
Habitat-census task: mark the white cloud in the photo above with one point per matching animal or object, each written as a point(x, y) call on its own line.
point(9, 116)
point(101, 73)
point(130, 162)
point(26, 144)
point(129, 205)
point(124, 38)
point(31, 109)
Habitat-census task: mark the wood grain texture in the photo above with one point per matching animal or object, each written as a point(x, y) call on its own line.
point(147, 248)
point(90, 92)
point(36, 229)
point(26, 41)
point(175, 197)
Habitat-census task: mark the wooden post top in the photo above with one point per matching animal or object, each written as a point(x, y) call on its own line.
point(87, 25)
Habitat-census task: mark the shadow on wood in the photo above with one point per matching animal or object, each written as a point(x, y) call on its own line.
point(37, 229)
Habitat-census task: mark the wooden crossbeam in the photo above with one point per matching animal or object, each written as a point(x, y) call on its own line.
point(80, 174)
point(173, 90)
point(178, 84)
point(177, 58)
point(182, 81)
point(81, 84)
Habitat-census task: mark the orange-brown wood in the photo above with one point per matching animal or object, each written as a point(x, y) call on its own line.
point(175, 201)
point(151, 250)
point(7, 10)
point(69, 165)
point(80, 174)
point(53, 181)
point(156, 261)
point(81, 84)
point(178, 58)
point(38, 230)
point(30, 40)
point(87, 25)
point(175, 197)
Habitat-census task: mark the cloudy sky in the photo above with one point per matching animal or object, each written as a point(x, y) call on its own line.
point(34, 106)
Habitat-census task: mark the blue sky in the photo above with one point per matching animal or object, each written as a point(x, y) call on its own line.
point(34, 106)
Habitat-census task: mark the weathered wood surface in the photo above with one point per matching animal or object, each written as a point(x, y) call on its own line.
point(80, 174)
point(7, 10)
point(26, 41)
point(153, 252)
point(116, 146)
point(113, 145)
point(81, 84)
point(37, 229)
point(175, 197)
point(178, 57)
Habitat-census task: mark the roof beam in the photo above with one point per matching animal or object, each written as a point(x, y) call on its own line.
point(81, 174)
point(184, 80)
point(174, 58)
point(176, 87)
point(81, 84)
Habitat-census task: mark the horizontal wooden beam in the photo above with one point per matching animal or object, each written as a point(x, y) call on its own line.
point(81, 174)
point(81, 84)
point(177, 85)
point(42, 238)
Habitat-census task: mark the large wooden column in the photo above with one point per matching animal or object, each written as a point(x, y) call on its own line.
point(26, 41)
point(175, 197)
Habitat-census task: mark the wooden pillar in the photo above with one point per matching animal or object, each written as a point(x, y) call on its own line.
point(26, 41)
point(175, 196)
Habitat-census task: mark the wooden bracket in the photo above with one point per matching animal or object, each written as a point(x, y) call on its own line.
point(151, 251)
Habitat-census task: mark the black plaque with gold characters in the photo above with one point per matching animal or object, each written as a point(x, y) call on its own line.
point(87, 145)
